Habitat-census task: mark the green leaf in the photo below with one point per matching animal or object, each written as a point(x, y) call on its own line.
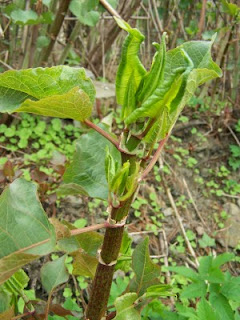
point(230, 8)
point(88, 241)
point(222, 259)
point(88, 166)
point(130, 71)
point(146, 272)
point(231, 289)
point(49, 85)
point(159, 290)
point(75, 104)
point(124, 259)
point(206, 241)
point(221, 306)
point(186, 272)
point(84, 11)
point(54, 273)
point(186, 67)
point(17, 282)
point(205, 311)
point(24, 17)
point(194, 290)
point(153, 78)
point(25, 232)
point(84, 264)
point(125, 307)
point(4, 301)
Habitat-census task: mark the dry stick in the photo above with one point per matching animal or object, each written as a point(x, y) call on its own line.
point(164, 245)
point(190, 248)
point(110, 9)
point(159, 24)
point(153, 19)
point(202, 18)
point(194, 204)
point(6, 65)
point(181, 22)
point(70, 41)
point(233, 134)
point(55, 28)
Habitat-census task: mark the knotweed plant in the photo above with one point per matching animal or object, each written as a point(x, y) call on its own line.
point(105, 166)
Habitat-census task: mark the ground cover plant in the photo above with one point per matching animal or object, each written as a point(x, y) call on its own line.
point(104, 166)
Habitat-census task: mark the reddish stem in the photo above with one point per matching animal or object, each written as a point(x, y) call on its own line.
point(154, 158)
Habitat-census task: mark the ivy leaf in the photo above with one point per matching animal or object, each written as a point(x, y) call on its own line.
point(25, 232)
point(54, 273)
point(84, 11)
point(130, 71)
point(84, 264)
point(87, 169)
point(125, 307)
point(52, 87)
point(146, 272)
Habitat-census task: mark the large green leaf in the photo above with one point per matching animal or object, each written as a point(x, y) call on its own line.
point(131, 70)
point(25, 232)
point(125, 307)
point(74, 104)
point(146, 272)
point(84, 11)
point(54, 273)
point(62, 92)
point(88, 166)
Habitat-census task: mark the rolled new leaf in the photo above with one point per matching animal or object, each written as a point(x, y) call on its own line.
point(60, 91)
point(186, 67)
point(131, 70)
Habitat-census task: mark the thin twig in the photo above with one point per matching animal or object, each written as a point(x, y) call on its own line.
point(75, 232)
point(104, 134)
point(233, 134)
point(110, 9)
point(194, 204)
point(190, 248)
point(6, 65)
point(159, 24)
point(154, 158)
point(48, 305)
point(164, 247)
